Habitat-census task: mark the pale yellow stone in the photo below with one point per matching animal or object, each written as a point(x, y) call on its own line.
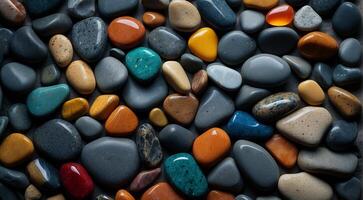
point(176, 76)
point(311, 92)
point(157, 117)
point(61, 49)
point(57, 197)
point(184, 16)
point(81, 77)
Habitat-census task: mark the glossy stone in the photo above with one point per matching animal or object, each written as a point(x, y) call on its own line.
point(305, 126)
point(347, 10)
point(148, 145)
point(257, 164)
point(248, 96)
point(323, 7)
point(123, 195)
point(88, 128)
point(217, 13)
point(299, 66)
point(311, 92)
point(317, 46)
point(242, 125)
point(181, 109)
point(199, 81)
point(61, 49)
point(81, 77)
point(349, 189)
point(175, 75)
point(81, 8)
point(116, 8)
point(176, 138)
point(74, 108)
point(27, 46)
point(184, 174)
point(191, 63)
point(117, 53)
point(143, 63)
point(49, 75)
point(89, 38)
point(215, 195)
point(19, 117)
point(103, 106)
point(276, 106)
point(280, 15)
point(242, 197)
point(110, 74)
point(153, 19)
point(103, 197)
point(161, 191)
point(43, 174)
point(282, 150)
point(306, 19)
point(251, 21)
point(15, 149)
point(12, 11)
point(17, 77)
point(323, 75)
point(45, 100)
point(273, 76)
point(224, 77)
point(345, 76)
point(183, 16)
point(102, 168)
point(277, 40)
point(40, 7)
point(144, 179)
point(121, 122)
point(167, 43)
point(350, 52)
point(342, 135)
point(235, 47)
point(345, 102)
point(157, 117)
point(260, 5)
point(209, 113)
point(204, 43)
point(13, 178)
point(50, 25)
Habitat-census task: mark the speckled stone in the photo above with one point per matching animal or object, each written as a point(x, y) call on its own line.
point(110, 74)
point(184, 173)
point(306, 19)
point(324, 7)
point(349, 190)
point(257, 164)
point(277, 40)
point(347, 10)
point(167, 43)
point(251, 21)
point(89, 128)
point(345, 76)
point(40, 7)
point(13, 178)
point(17, 77)
point(49, 75)
point(81, 8)
point(276, 106)
point(350, 52)
point(44, 175)
point(176, 138)
point(115, 8)
point(324, 161)
point(299, 66)
point(341, 135)
point(323, 75)
point(89, 38)
point(191, 63)
point(19, 117)
point(50, 25)
point(148, 145)
point(226, 78)
point(217, 13)
point(248, 96)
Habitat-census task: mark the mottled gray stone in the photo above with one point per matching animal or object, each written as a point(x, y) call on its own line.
point(306, 19)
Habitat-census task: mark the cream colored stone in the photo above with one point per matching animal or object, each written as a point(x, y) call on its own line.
point(81, 77)
point(32, 193)
point(176, 76)
point(61, 49)
point(184, 16)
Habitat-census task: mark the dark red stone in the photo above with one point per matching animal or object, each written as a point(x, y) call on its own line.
point(76, 180)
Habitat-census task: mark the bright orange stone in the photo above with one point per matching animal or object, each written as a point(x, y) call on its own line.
point(15, 149)
point(218, 195)
point(280, 16)
point(121, 122)
point(211, 146)
point(103, 106)
point(282, 150)
point(161, 191)
point(123, 195)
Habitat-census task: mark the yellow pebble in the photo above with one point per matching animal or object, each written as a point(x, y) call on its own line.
point(103, 106)
point(311, 92)
point(15, 149)
point(74, 108)
point(260, 4)
point(157, 117)
point(204, 43)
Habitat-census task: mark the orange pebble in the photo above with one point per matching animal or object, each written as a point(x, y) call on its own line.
point(211, 146)
point(103, 106)
point(161, 191)
point(218, 195)
point(153, 19)
point(74, 108)
point(121, 122)
point(280, 16)
point(123, 195)
point(282, 150)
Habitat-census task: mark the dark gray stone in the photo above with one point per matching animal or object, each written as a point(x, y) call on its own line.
point(235, 47)
point(345, 76)
point(176, 138)
point(89, 128)
point(242, 197)
point(167, 43)
point(81, 8)
point(155, 4)
point(112, 162)
point(224, 77)
point(12, 178)
point(297, 3)
point(344, 27)
point(298, 65)
point(50, 75)
point(117, 53)
point(251, 21)
point(19, 117)
point(257, 164)
point(278, 40)
point(4, 120)
point(58, 139)
point(350, 52)
point(115, 8)
point(235, 4)
point(148, 145)
point(323, 75)
point(342, 135)
point(248, 96)
point(41, 7)
point(349, 190)
point(191, 63)
point(50, 25)
point(7, 193)
point(217, 13)
point(17, 77)
point(5, 37)
point(324, 7)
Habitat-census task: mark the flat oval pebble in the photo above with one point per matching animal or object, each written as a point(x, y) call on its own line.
point(299, 66)
point(323, 75)
point(257, 164)
point(44, 175)
point(126, 32)
point(80, 76)
point(49, 75)
point(143, 63)
point(52, 24)
point(161, 191)
point(311, 92)
point(191, 63)
point(19, 117)
point(342, 135)
point(282, 150)
point(181, 109)
point(350, 52)
point(276, 106)
point(17, 77)
point(306, 126)
point(116, 8)
point(81, 8)
point(148, 145)
point(226, 176)
point(89, 38)
point(157, 117)
point(204, 43)
point(323, 7)
point(38, 8)
point(45, 100)
point(175, 75)
point(155, 4)
point(345, 102)
point(121, 122)
point(58, 139)
point(251, 21)
point(144, 179)
point(349, 190)
point(13, 178)
point(12, 11)
point(235, 47)
point(27, 46)
point(301, 186)
point(88, 128)
point(275, 75)
point(210, 113)
point(346, 76)
point(102, 168)
point(167, 43)
point(317, 46)
point(347, 10)
point(183, 16)
point(277, 40)
point(74, 108)
point(217, 13)
point(225, 77)
point(103, 106)
point(243, 125)
point(280, 15)
point(248, 96)
point(306, 19)
point(176, 138)
point(61, 49)
point(260, 5)
point(15, 149)
point(183, 172)
point(153, 19)
point(199, 81)
point(110, 74)
point(324, 161)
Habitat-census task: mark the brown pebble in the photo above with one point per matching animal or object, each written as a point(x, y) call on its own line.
point(200, 81)
point(12, 11)
point(81, 77)
point(180, 108)
point(345, 102)
point(317, 46)
point(32, 193)
point(282, 150)
point(153, 19)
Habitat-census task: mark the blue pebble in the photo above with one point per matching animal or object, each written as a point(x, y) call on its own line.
point(342, 135)
point(217, 13)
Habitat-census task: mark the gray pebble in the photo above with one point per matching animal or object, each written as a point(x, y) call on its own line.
point(50, 25)
point(323, 74)
point(268, 198)
point(278, 40)
point(306, 19)
point(224, 77)
point(7, 193)
point(345, 76)
point(248, 96)
point(81, 8)
point(176, 138)
point(349, 190)
point(298, 65)
point(17, 77)
point(350, 52)
point(4, 120)
point(19, 117)
point(110, 75)
point(49, 75)
point(12, 178)
point(117, 53)
point(89, 128)
point(251, 21)
point(242, 197)
point(191, 63)
point(5, 38)
point(115, 8)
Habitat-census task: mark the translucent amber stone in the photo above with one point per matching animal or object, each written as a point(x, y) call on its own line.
point(280, 16)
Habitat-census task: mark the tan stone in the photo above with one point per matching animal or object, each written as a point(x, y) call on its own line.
point(311, 92)
point(57, 197)
point(157, 117)
point(32, 193)
point(199, 81)
point(180, 108)
point(261, 4)
point(61, 49)
point(184, 16)
point(345, 102)
point(81, 77)
point(176, 76)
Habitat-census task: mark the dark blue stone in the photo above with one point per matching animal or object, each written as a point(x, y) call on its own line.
point(19, 117)
point(349, 190)
point(48, 26)
point(324, 7)
point(344, 27)
point(277, 40)
point(242, 125)
point(217, 13)
point(4, 120)
point(345, 76)
point(12, 178)
point(116, 8)
point(45, 173)
point(7, 193)
point(41, 7)
point(342, 135)
point(5, 37)
point(234, 3)
point(297, 3)
point(323, 75)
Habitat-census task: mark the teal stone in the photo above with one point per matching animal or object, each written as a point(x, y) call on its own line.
point(143, 63)
point(45, 100)
point(184, 174)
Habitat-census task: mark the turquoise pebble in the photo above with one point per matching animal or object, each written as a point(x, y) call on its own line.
point(143, 63)
point(45, 100)
point(183, 173)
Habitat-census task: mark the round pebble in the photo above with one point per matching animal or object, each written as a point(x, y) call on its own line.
point(251, 21)
point(350, 52)
point(299, 66)
point(317, 46)
point(61, 49)
point(345, 76)
point(277, 40)
point(225, 77)
point(280, 16)
point(306, 19)
point(153, 19)
point(13, 11)
point(183, 16)
point(80, 76)
point(17, 77)
point(347, 10)
point(217, 13)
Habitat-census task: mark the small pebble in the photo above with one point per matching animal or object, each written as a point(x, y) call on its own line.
point(157, 117)
point(19, 117)
point(61, 49)
point(184, 16)
point(103, 106)
point(217, 13)
point(81, 9)
point(81, 77)
point(277, 40)
point(6, 36)
point(122, 121)
point(161, 191)
point(311, 92)
point(299, 66)
point(282, 150)
point(306, 19)
point(181, 109)
point(176, 138)
point(44, 175)
point(346, 76)
point(347, 10)
point(148, 145)
point(74, 108)
point(175, 75)
point(350, 52)
point(153, 19)
point(199, 82)
point(123, 195)
point(12, 11)
point(117, 53)
point(248, 96)
point(49, 75)
point(323, 75)
point(144, 179)
point(317, 46)
point(251, 21)
point(89, 128)
point(32, 193)
point(345, 102)
point(323, 7)
point(226, 78)
point(17, 77)
point(280, 16)
point(204, 43)
point(341, 135)
point(191, 63)
point(14, 179)
point(16, 149)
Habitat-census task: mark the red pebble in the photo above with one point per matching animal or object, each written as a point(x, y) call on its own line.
point(76, 180)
